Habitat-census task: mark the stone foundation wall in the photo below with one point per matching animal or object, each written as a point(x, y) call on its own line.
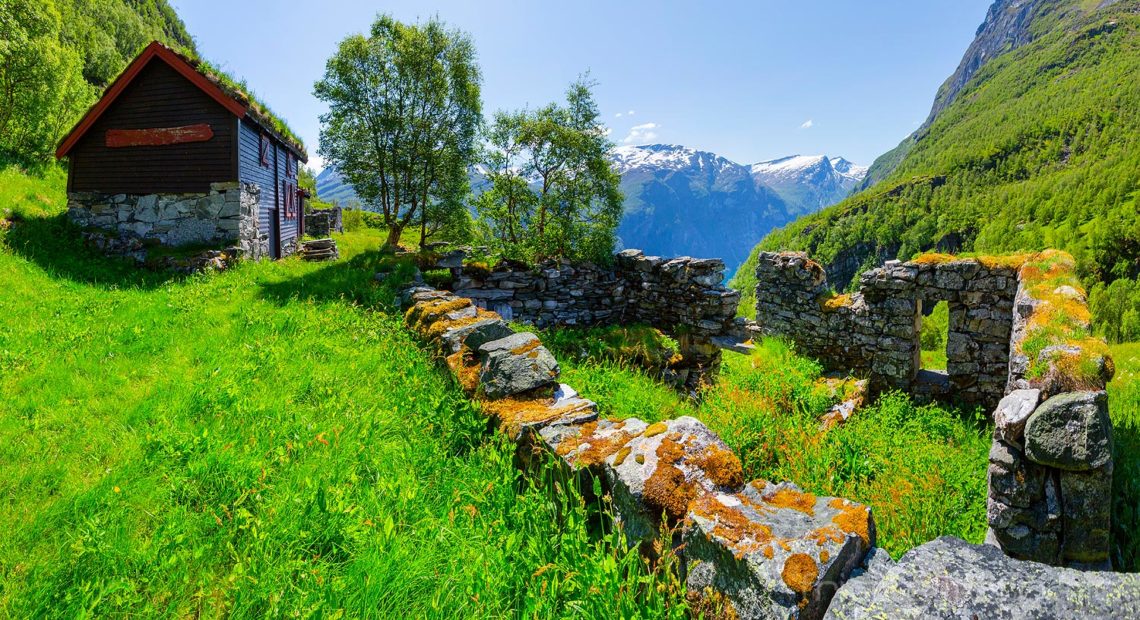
point(226, 214)
point(684, 297)
point(875, 332)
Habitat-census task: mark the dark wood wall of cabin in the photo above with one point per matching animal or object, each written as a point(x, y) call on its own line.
point(158, 98)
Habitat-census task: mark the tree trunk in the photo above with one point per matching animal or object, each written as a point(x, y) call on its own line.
point(394, 232)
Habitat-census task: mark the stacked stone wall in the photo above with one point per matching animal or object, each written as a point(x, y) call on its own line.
point(875, 332)
point(323, 222)
point(1050, 466)
point(761, 550)
point(684, 297)
point(227, 214)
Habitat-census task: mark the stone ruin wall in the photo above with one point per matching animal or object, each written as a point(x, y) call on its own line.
point(323, 222)
point(876, 332)
point(764, 550)
point(127, 223)
point(684, 297)
point(1050, 465)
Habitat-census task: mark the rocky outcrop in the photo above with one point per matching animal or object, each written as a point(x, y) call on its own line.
point(773, 550)
point(949, 578)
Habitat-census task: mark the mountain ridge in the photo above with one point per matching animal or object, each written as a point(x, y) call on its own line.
point(1040, 148)
point(685, 201)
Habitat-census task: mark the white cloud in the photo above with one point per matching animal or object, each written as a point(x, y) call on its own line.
point(618, 115)
point(808, 124)
point(630, 113)
point(316, 162)
point(640, 134)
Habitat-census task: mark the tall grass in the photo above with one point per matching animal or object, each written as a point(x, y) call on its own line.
point(268, 441)
point(1124, 406)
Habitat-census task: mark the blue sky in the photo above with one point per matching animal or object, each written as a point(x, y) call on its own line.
point(748, 80)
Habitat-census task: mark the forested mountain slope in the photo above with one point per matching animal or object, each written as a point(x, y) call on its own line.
point(1038, 149)
point(57, 56)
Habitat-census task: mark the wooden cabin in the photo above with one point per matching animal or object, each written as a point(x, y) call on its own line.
point(174, 154)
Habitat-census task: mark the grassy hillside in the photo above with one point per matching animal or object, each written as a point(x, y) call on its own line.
point(267, 441)
point(1041, 149)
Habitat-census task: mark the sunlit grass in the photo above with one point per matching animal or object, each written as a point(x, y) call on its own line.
point(269, 441)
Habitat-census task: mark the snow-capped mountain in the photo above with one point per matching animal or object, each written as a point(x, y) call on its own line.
point(810, 182)
point(680, 201)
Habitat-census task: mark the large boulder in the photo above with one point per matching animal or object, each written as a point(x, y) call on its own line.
point(1071, 431)
point(514, 365)
point(773, 550)
point(950, 578)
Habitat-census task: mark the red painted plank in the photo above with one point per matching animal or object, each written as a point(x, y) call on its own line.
point(159, 136)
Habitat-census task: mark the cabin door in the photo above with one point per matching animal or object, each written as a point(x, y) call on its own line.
point(274, 234)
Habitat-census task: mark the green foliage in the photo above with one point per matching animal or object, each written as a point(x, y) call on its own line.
point(553, 191)
point(404, 112)
point(1124, 407)
point(57, 55)
point(1041, 149)
point(638, 345)
point(935, 329)
point(265, 442)
point(1116, 310)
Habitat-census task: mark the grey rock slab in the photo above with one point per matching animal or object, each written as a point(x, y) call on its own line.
point(474, 334)
point(950, 578)
point(775, 551)
point(1013, 412)
point(660, 470)
point(1070, 431)
point(516, 364)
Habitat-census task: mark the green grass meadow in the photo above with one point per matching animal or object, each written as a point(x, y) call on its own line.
point(265, 442)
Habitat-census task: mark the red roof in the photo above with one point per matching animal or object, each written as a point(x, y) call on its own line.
point(187, 69)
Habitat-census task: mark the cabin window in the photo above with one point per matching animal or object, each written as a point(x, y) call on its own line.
point(264, 151)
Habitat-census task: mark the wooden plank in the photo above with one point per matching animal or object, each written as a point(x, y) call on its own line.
point(159, 136)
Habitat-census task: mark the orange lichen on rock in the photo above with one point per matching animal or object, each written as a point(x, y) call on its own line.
point(513, 413)
point(743, 535)
point(667, 489)
point(852, 518)
point(792, 499)
point(800, 572)
point(825, 534)
point(824, 556)
point(428, 311)
point(527, 348)
point(835, 302)
point(655, 429)
point(621, 456)
point(466, 370)
point(721, 466)
point(597, 448)
point(441, 326)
